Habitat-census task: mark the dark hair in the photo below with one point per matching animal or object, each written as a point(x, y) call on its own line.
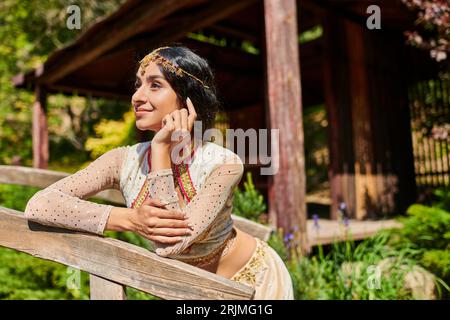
point(204, 99)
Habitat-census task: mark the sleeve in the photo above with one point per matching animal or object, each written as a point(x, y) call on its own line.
point(201, 211)
point(63, 203)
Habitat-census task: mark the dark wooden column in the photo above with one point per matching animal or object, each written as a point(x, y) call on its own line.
point(40, 129)
point(287, 207)
point(371, 167)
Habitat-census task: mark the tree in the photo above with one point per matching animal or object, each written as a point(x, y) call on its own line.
point(434, 19)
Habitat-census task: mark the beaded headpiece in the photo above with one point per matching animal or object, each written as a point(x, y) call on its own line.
point(167, 64)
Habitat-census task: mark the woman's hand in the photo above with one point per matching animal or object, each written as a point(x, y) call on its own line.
point(152, 221)
point(179, 122)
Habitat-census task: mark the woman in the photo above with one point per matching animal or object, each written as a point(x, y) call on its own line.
point(182, 207)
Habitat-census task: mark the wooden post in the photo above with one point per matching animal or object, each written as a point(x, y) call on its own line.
point(102, 289)
point(364, 97)
point(287, 194)
point(40, 129)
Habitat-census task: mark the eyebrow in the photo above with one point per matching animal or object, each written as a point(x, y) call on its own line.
point(151, 78)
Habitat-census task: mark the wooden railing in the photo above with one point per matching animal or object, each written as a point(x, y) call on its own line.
point(111, 263)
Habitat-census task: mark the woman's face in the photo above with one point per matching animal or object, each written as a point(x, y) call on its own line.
point(154, 98)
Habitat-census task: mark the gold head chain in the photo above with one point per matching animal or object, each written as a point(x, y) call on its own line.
point(167, 64)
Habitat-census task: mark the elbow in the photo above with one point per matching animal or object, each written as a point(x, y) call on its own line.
point(33, 205)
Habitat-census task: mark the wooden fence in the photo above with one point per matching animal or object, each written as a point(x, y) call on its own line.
point(430, 127)
point(111, 263)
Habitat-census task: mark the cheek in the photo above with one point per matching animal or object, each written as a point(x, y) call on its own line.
point(164, 100)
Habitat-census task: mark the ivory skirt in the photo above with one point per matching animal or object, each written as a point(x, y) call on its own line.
point(267, 273)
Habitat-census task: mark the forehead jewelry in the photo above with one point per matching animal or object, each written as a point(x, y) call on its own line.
point(167, 64)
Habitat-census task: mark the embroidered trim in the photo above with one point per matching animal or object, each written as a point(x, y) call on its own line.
point(182, 178)
point(247, 275)
point(144, 192)
point(184, 181)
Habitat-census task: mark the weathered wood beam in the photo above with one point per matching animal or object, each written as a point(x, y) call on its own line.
point(102, 289)
point(287, 197)
point(40, 129)
point(42, 178)
point(213, 12)
point(116, 261)
point(109, 36)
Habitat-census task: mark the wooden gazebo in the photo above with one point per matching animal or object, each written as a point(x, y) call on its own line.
point(360, 74)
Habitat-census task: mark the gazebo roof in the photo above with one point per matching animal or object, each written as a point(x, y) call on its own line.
point(102, 61)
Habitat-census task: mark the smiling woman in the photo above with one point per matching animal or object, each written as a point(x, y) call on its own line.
point(180, 201)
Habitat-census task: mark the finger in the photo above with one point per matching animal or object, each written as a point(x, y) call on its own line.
point(184, 119)
point(170, 232)
point(153, 202)
point(163, 213)
point(192, 114)
point(165, 240)
point(170, 223)
point(176, 120)
point(168, 122)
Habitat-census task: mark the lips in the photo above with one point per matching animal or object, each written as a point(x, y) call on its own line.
point(143, 110)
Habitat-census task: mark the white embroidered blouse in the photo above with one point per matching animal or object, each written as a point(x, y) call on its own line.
point(206, 182)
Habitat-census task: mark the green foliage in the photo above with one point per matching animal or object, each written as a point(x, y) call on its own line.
point(15, 197)
point(427, 227)
point(276, 242)
point(29, 32)
point(25, 277)
point(248, 203)
point(346, 271)
point(442, 199)
point(316, 147)
point(112, 133)
point(438, 262)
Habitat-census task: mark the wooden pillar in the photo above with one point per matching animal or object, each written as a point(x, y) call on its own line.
point(337, 102)
point(364, 95)
point(287, 194)
point(40, 129)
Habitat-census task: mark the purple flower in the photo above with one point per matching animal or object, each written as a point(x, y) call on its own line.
point(316, 221)
point(342, 206)
point(346, 222)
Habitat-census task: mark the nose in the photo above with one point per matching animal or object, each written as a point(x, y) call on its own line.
point(138, 97)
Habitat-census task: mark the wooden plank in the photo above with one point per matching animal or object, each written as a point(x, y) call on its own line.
point(102, 289)
point(116, 261)
point(331, 231)
point(40, 129)
point(253, 228)
point(285, 107)
point(42, 178)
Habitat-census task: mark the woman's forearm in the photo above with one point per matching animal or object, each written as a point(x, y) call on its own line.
point(160, 157)
point(119, 219)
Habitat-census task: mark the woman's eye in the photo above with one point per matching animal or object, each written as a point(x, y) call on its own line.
point(137, 84)
point(155, 85)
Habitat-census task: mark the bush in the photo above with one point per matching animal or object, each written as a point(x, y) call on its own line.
point(426, 227)
point(350, 272)
point(248, 203)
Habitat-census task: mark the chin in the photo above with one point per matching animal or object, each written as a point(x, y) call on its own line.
point(143, 126)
